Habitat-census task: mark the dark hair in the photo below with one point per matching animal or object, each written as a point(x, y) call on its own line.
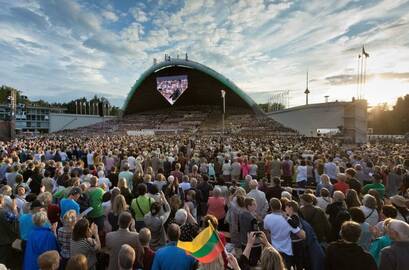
point(350, 231)
point(351, 172)
point(154, 189)
point(124, 220)
point(80, 230)
point(173, 232)
point(142, 189)
point(155, 208)
point(357, 214)
point(389, 211)
point(275, 204)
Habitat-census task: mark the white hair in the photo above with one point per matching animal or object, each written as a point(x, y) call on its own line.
point(401, 228)
point(180, 216)
point(286, 194)
point(171, 178)
point(40, 218)
point(101, 174)
point(248, 178)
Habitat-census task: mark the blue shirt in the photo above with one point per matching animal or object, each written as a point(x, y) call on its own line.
point(172, 257)
point(67, 204)
point(40, 240)
point(26, 225)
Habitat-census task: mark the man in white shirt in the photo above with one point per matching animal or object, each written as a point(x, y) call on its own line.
point(276, 224)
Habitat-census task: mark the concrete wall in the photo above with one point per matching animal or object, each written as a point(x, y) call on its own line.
point(60, 121)
point(308, 118)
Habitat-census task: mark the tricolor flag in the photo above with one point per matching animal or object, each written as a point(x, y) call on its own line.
point(205, 247)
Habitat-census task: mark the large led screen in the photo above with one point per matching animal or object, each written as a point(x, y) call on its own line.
point(171, 87)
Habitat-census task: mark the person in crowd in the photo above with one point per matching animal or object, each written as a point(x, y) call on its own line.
point(248, 223)
point(126, 258)
point(324, 183)
point(216, 206)
point(49, 260)
point(316, 217)
point(40, 240)
point(126, 234)
point(77, 262)
point(85, 241)
point(352, 199)
point(118, 208)
point(140, 206)
point(148, 254)
point(331, 169)
point(338, 213)
point(64, 235)
point(343, 253)
point(399, 202)
point(287, 169)
point(260, 197)
point(171, 257)
point(369, 208)
point(302, 175)
point(376, 184)
point(279, 229)
point(381, 239)
point(358, 216)
point(155, 221)
point(324, 199)
point(8, 228)
point(396, 255)
point(341, 184)
point(70, 203)
point(352, 181)
point(95, 194)
point(128, 175)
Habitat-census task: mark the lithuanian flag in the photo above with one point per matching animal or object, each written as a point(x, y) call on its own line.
point(205, 247)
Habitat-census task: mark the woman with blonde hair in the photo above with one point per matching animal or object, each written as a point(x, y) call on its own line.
point(64, 235)
point(271, 259)
point(324, 183)
point(118, 207)
point(125, 191)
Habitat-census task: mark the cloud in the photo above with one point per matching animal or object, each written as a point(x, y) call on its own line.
point(109, 15)
point(138, 14)
point(344, 79)
point(103, 46)
point(71, 15)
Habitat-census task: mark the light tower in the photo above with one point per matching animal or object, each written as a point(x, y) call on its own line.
point(306, 92)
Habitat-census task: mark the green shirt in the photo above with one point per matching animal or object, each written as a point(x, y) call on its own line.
point(95, 201)
point(380, 188)
point(377, 245)
point(141, 206)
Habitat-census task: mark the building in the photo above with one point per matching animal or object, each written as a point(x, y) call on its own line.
point(29, 118)
point(347, 119)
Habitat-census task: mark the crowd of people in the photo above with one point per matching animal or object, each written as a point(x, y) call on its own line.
point(123, 202)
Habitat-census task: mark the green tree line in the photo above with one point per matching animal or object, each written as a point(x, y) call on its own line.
point(384, 120)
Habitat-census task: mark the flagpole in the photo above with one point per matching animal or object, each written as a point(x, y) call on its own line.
point(357, 78)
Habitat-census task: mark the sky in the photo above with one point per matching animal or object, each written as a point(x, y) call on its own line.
point(60, 50)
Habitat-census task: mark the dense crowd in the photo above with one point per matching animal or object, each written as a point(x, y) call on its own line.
point(123, 202)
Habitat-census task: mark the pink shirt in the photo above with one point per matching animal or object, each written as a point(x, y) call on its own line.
point(216, 207)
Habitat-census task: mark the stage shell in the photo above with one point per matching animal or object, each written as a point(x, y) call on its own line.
point(204, 88)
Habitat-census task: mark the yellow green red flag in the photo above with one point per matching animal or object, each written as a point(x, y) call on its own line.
point(205, 247)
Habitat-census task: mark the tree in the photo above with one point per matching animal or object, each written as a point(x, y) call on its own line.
point(271, 107)
point(384, 120)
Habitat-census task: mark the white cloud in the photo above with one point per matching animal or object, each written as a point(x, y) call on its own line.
point(138, 14)
point(110, 15)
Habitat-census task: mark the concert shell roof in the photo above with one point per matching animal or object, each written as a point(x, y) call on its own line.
point(204, 85)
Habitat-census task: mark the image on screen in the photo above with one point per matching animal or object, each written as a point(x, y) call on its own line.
point(171, 87)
